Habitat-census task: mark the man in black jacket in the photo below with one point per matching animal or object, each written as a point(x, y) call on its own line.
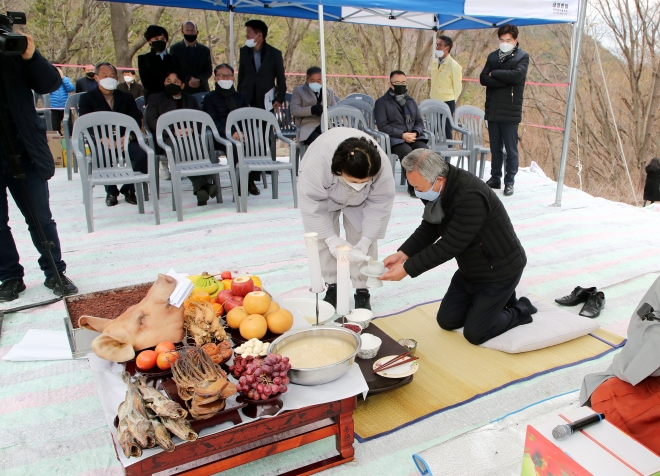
point(398, 116)
point(194, 60)
point(108, 98)
point(19, 76)
point(87, 82)
point(154, 66)
point(464, 219)
point(504, 77)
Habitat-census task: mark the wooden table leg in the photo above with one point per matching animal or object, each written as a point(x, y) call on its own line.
point(345, 435)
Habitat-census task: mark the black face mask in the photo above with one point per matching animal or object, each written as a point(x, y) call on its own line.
point(159, 45)
point(172, 89)
point(190, 38)
point(400, 89)
point(90, 75)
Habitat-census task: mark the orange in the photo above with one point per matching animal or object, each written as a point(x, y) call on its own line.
point(200, 296)
point(217, 308)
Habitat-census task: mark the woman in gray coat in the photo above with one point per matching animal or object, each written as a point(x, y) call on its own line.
point(346, 172)
point(307, 105)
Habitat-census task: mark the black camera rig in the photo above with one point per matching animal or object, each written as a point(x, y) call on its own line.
point(12, 43)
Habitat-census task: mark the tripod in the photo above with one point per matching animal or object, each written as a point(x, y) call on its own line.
point(18, 174)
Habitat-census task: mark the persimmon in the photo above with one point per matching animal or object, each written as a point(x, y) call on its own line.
point(217, 308)
point(166, 359)
point(146, 360)
point(200, 296)
point(164, 347)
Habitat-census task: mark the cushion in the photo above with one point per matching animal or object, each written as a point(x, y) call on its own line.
point(552, 325)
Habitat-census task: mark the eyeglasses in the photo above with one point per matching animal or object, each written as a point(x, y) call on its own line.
point(225, 76)
point(399, 83)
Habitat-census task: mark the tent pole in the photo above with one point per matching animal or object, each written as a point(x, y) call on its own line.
point(323, 76)
point(571, 100)
point(231, 38)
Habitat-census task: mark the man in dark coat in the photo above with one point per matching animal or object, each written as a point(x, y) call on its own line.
point(652, 183)
point(154, 66)
point(130, 84)
point(464, 219)
point(19, 76)
point(108, 98)
point(219, 103)
point(87, 82)
point(504, 77)
point(194, 60)
point(398, 116)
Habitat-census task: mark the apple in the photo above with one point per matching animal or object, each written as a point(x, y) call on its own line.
point(225, 275)
point(257, 288)
point(242, 285)
point(233, 302)
point(222, 296)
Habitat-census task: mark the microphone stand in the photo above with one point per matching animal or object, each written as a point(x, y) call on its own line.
point(18, 174)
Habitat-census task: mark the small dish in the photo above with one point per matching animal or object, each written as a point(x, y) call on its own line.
point(357, 328)
point(362, 317)
point(396, 372)
point(376, 267)
point(370, 346)
point(409, 344)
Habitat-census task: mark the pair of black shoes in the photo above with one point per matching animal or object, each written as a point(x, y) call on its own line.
point(205, 192)
point(593, 299)
point(11, 288)
point(129, 196)
point(362, 297)
point(495, 184)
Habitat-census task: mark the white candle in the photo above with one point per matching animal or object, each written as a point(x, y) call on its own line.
point(343, 279)
point(314, 262)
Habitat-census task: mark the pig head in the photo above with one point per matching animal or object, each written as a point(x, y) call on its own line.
point(146, 324)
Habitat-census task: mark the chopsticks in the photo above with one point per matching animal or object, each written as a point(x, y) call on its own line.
point(395, 362)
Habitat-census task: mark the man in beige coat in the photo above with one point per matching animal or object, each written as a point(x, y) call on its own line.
point(307, 106)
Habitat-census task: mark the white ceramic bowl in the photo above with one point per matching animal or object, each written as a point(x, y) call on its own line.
point(376, 267)
point(362, 317)
point(369, 347)
point(307, 308)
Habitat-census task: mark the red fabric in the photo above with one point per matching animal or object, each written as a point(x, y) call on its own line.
point(634, 410)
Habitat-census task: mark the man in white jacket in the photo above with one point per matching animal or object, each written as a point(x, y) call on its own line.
point(345, 172)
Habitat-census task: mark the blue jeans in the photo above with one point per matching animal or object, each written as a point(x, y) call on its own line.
point(503, 134)
point(38, 189)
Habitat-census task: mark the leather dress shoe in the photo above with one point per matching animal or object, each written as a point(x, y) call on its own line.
point(253, 189)
point(577, 296)
point(111, 200)
point(494, 183)
point(130, 197)
point(594, 305)
point(362, 299)
point(508, 190)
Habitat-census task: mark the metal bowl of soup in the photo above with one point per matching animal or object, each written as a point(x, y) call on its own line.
point(318, 355)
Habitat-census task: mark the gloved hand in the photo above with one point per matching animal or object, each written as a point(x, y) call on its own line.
point(317, 109)
point(359, 252)
point(333, 242)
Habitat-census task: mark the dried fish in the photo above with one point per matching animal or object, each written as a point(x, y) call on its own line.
point(124, 437)
point(163, 437)
point(161, 405)
point(180, 428)
point(136, 415)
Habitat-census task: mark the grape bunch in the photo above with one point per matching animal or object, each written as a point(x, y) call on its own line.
point(260, 379)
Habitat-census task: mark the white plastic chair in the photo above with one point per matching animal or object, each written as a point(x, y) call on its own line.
point(435, 116)
point(71, 103)
point(108, 164)
point(254, 151)
point(472, 119)
point(190, 152)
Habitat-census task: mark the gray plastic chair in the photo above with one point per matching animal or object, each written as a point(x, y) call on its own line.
point(366, 108)
point(435, 116)
point(193, 154)
point(348, 116)
point(200, 99)
point(451, 142)
point(160, 158)
point(140, 104)
point(109, 165)
point(71, 103)
point(472, 119)
point(254, 151)
point(362, 97)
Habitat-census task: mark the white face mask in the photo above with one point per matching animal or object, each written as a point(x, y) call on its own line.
point(108, 83)
point(128, 79)
point(355, 186)
point(225, 83)
point(251, 43)
point(506, 47)
point(316, 87)
point(439, 53)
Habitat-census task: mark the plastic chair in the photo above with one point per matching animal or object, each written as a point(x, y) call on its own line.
point(450, 141)
point(71, 103)
point(472, 119)
point(190, 154)
point(435, 116)
point(254, 151)
point(365, 107)
point(110, 165)
point(140, 104)
point(160, 158)
point(362, 97)
point(46, 113)
point(200, 99)
point(284, 119)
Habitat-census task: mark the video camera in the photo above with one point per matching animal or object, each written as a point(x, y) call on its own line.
point(12, 43)
point(647, 313)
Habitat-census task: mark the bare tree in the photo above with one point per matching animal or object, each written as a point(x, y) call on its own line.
point(121, 21)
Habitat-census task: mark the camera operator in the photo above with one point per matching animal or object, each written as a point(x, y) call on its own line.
point(19, 75)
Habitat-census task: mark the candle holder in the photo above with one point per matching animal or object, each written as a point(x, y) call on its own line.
point(314, 262)
point(343, 281)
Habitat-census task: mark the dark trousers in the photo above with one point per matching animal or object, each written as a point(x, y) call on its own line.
point(448, 131)
point(480, 308)
point(313, 136)
point(401, 150)
point(38, 190)
point(56, 117)
point(503, 134)
point(139, 163)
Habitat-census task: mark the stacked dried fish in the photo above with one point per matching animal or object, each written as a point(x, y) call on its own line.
point(146, 418)
point(201, 383)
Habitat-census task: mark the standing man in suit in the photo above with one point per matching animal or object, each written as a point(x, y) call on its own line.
point(107, 98)
point(130, 84)
point(154, 66)
point(194, 60)
point(87, 82)
point(504, 77)
point(446, 77)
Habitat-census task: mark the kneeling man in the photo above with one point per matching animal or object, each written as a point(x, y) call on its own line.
point(464, 219)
